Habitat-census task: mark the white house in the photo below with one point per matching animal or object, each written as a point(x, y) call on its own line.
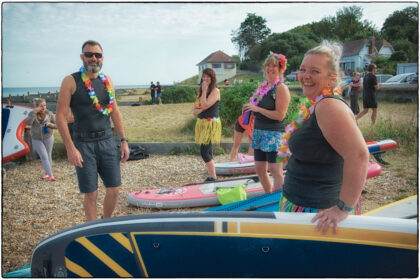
point(223, 65)
point(359, 53)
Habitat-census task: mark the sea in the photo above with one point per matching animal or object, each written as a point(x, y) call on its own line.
point(15, 91)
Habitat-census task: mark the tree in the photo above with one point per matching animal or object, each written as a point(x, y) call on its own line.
point(251, 31)
point(399, 56)
point(402, 25)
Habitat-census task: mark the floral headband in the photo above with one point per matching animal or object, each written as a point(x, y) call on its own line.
point(281, 58)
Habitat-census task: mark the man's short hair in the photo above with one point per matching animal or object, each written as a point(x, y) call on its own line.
point(92, 43)
point(371, 67)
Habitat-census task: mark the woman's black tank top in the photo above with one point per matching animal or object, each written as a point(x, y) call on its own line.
point(212, 112)
point(315, 170)
point(264, 123)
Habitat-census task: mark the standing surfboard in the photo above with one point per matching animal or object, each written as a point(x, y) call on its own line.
point(229, 244)
point(13, 125)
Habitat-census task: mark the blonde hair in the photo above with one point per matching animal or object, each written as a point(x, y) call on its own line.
point(37, 101)
point(333, 50)
point(273, 60)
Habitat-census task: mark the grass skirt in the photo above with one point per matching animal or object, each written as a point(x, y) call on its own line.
point(287, 206)
point(208, 131)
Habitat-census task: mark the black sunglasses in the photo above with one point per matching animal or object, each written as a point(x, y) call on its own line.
point(90, 54)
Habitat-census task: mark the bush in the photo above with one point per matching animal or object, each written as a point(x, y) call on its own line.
point(179, 94)
point(232, 100)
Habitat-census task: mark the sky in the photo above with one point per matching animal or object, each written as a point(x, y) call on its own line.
point(142, 42)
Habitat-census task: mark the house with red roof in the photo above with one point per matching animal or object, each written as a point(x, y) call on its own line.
point(223, 65)
point(359, 53)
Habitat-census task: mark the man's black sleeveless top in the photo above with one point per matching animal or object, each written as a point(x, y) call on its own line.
point(212, 112)
point(262, 122)
point(86, 117)
point(315, 170)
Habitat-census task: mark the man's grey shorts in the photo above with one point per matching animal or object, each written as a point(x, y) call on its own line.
point(103, 157)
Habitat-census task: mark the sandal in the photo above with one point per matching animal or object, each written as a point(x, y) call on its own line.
point(52, 179)
point(45, 176)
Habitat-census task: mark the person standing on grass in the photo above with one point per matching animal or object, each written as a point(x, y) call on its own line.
point(208, 129)
point(90, 96)
point(159, 93)
point(42, 123)
point(152, 92)
point(355, 85)
point(269, 104)
point(370, 86)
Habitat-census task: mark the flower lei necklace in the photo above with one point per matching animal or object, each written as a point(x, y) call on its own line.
point(306, 109)
point(92, 94)
point(263, 90)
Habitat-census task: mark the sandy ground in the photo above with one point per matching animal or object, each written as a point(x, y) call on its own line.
point(33, 209)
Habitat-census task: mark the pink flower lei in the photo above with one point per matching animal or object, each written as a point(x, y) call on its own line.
point(263, 90)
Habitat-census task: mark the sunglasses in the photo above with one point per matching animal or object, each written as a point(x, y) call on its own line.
point(90, 54)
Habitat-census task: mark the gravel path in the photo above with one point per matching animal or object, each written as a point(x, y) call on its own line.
point(34, 209)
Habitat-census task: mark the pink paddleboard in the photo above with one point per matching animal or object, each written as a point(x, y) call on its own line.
point(205, 194)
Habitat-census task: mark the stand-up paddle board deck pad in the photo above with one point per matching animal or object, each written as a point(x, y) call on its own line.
point(229, 244)
point(192, 195)
point(13, 125)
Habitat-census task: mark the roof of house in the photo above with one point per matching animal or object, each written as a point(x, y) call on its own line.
point(380, 43)
point(354, 47)
point(218, 56)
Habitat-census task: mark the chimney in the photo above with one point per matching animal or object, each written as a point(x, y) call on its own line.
point(372, 44)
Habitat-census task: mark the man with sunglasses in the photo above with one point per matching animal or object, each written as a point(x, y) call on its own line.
point(90, 96)
point(370, 86)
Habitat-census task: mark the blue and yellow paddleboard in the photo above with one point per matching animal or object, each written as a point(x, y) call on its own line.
point(229, 244)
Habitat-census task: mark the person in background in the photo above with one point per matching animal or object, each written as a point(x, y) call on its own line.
point(240, 128)
point(42, 123)
point(226, 82)
point(370, 86)
point(152, 92)
point(89, 94)
point(159, 93)
point(269, 104)
point(329, 158)
point(355, 85)
point(208, 129)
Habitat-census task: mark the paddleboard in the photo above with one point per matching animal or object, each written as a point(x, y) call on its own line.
point(192, 195)
point(245, 163)
point(13, 125)
point(228, 245)
point(405, 208)
point(270, 202)
point(234, 168)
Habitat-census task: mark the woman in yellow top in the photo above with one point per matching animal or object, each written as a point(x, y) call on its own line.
point(208, 129)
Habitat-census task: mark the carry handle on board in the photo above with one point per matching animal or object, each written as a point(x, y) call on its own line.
point(250, 178)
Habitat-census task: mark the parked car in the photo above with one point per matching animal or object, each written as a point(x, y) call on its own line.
point(405, 78)
point(382, 78)
point(292, 76)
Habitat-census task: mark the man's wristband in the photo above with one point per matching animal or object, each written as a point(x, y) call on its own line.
point(124, 139)
point(342, 206)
